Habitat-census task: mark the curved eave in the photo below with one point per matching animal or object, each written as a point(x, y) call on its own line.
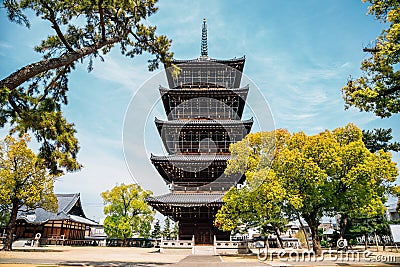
point(203, 124)
point(186, 200)
point(181, 123)
point(79, 206)
point(61, 216)
point(76, 200)
point(67, 208)
point(32, 222)
point(185, 91)
point(185, 160)
point(189, 158)
point(215, 93)
point(222, 61)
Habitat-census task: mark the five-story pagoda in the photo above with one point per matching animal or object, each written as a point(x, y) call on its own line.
point(204, 105)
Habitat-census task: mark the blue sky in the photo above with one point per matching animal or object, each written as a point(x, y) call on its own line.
point(298, 55)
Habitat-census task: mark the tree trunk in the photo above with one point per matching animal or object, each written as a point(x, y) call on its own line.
point(278, 236)
point(366, 241)
point(343, 224)
point(11, 226)
point(376, 241)
point(303, 229)
point(316, 240)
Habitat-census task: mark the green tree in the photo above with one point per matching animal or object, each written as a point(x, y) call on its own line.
point(365, 225)
point(253, 209)
point(175, 231)
point(314, 175)
point(378, 139)
point(4, 215)
point(260, 203)
point(167, 228)
point(25, 183)
point(31, 98)
point(156, 233)
point(127, 211)
point(378, 89)
point(333, 172)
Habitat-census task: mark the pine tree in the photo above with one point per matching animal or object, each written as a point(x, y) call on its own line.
point(380, 139)
point(156, 233)
point(167, 228)
point(175, 231)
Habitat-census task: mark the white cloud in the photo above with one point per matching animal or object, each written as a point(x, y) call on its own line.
point(5, 45)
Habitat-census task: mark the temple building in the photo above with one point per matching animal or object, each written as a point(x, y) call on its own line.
point(204, 105)
point(67, 226)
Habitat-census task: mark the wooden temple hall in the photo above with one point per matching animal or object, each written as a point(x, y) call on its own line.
point(67, 226)
point(204, 105)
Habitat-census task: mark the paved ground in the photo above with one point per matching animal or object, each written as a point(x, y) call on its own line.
point(91, 256)
point(129, 257)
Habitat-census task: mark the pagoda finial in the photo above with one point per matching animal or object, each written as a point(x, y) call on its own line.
point(204, 48)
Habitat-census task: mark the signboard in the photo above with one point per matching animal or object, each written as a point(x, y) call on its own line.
point(395, 230)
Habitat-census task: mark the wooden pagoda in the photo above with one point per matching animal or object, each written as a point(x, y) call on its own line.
point(204, 105)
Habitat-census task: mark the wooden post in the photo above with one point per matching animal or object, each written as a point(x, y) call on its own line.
point(215, 245)
point(193, 248)
point(376, 241)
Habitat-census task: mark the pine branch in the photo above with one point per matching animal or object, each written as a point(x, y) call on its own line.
point(29, 71)
point(55, 26)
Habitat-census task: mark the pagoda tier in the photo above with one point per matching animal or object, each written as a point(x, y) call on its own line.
point(206, 72)
point(219, 103)
point(187, 205)
point(201, 136)
point(195, 213)
point(195, 172)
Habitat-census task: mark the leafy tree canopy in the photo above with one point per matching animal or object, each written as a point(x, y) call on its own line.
point(378, 89)
point(331, 172)
point(31, 98)
point(25, 183)
point(127, 211)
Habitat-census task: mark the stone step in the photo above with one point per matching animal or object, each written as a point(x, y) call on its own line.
point(20, 242)
point(203, 250)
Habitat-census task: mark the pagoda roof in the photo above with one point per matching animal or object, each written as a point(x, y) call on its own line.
point(191, 158)
point(231, 68)
point(206, 90)
point(207, 59)
point(178, 169)
point(181, 95)
point(187, 199)
point(204, 122)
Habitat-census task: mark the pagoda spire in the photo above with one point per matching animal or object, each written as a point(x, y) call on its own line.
point(204, 47)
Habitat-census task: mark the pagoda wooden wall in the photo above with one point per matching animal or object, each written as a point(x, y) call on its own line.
point(203, 231)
